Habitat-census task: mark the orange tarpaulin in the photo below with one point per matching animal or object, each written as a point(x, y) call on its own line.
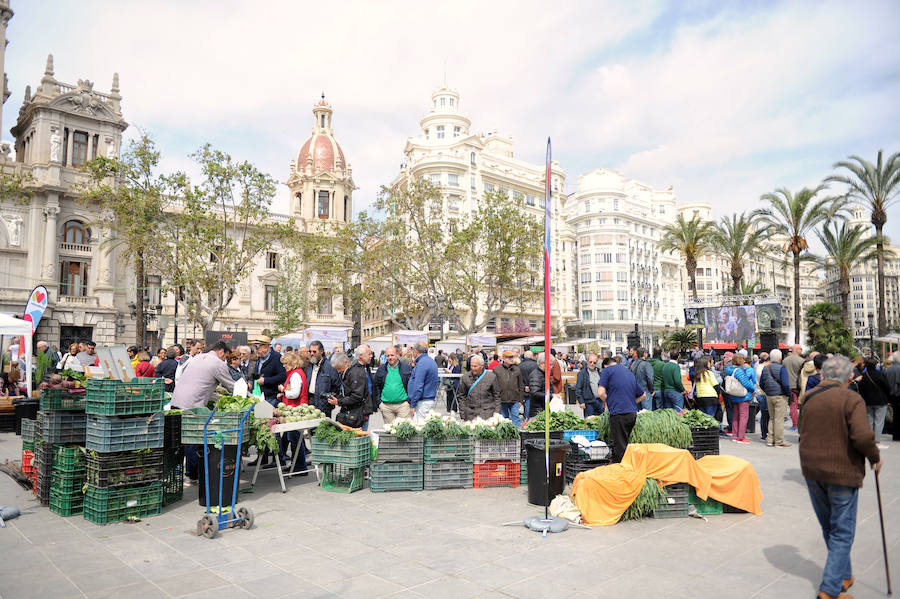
point(734, 482)
point(603, 494)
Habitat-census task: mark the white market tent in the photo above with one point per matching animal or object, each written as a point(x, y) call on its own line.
point(377, 344)
point(293, 339)
point(329, 336)
point(409, 337)
point(572, 343)
point(16, 327)
point(481, 340)
point(527, 341)
point(452, 344)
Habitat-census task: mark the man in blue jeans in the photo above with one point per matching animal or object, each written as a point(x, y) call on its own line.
point(835, 441)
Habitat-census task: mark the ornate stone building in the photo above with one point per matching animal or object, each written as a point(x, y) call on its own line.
point(52, 240)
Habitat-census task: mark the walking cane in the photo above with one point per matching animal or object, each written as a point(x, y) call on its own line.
point(887, 569)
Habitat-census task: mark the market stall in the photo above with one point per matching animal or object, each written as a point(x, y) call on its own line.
point(15, 327)
point(331, 337)
point(409, 338)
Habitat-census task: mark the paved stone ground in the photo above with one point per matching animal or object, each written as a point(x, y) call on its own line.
point(310, 543)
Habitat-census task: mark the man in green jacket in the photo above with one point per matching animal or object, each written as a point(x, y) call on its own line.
point(672, 387)
point(657, 363)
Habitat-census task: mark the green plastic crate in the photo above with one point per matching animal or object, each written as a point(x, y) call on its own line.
point(709, 507)
point(102, 506)
point(62, 399)
point(193, 420)
point(397, 476)
point(338, 478)
point(67, 458)
point(66, 483)
point(394, 449)
point(354, 453)
point(27, 445)
point(451, 449)
point(108, 397)
point(66, 504)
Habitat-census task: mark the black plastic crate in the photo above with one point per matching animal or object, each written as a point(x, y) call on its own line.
point(676, 503)
point(7, 423)
point(60, 426)
point(172, 432)
point(704, 441)
point(123, 468)
point(173, 477)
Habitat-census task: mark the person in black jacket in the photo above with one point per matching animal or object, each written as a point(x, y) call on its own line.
point(166, 370)
point(324, 380)
point(269, 371)
point(356, 395)
point(536, 387)
point(527, 365)
point(586, 389)
point(874, 388)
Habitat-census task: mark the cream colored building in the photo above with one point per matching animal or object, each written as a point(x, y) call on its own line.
point(864, 287)
point(467, 165)
point(52, 240)
point(622, 279)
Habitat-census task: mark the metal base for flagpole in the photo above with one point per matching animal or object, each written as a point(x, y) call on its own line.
point(545, 525)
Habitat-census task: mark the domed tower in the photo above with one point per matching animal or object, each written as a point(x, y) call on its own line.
point(321, 180)
point(444, 121)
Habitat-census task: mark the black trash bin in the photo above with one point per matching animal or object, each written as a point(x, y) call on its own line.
point(231, 469)
point(26, 408)
point(537, 474)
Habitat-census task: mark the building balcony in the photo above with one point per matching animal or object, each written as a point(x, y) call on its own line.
point(78, 301)
point(75, 249)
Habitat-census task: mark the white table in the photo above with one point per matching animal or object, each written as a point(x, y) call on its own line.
point(305, 426)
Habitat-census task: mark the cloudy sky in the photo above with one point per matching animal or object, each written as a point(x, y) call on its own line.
point(724, 101)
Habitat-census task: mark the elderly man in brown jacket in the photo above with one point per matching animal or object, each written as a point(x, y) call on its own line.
point(479, 391)
point(835, 441)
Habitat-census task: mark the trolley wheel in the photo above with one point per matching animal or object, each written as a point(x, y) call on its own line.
point(246, 517)
point(207, 527)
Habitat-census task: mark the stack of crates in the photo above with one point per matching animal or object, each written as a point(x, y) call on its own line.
point(67, 480)
point(705, 507)
point(398, 465)
point(497, 463)
point(448, 463)
point(124, 442)
point(343, 464)
point(173, 460)
point(61, 420)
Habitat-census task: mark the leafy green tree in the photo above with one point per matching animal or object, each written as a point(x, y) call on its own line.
point(876, 186)
point(737, 239)
point(793, 217)
point(496, 248)
point(219, 228)
point(293, 295)
point(845, 247)
point(132, 198)
point(692, 239)
point(827, 334)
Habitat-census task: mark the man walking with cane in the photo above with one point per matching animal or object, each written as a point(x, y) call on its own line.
point(835, 441)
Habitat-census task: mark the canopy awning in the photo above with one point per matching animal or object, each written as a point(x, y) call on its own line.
point(16, 327)
point(481, 340)
point(409, 337)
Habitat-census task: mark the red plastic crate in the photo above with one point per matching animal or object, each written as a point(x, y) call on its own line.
point(496, 473)
point(27, 467)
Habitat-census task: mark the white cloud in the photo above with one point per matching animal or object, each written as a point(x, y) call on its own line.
point(725, 106)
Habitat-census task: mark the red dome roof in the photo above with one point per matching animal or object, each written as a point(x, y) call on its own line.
point(324, 150)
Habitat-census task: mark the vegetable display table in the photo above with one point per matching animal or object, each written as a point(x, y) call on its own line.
point(304, 426)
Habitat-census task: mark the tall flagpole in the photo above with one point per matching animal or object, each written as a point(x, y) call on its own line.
point(547, 388)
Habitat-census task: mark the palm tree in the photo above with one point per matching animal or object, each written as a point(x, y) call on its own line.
point(753, 288)
point(876, 186)
point(681, 340)
point(737, 239)
point(845, 246)
point(794, 216)
point(826, 333)
point(692, 239)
